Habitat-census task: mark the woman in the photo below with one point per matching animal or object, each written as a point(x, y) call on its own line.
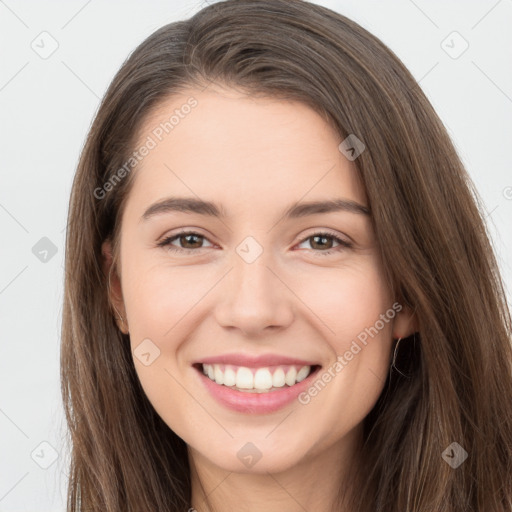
point(280, 293)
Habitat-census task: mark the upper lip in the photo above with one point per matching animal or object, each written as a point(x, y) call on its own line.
point(255, 361)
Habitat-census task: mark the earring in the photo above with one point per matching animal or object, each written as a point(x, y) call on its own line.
point(120, 318)
point(394, 358)
point(394, 352)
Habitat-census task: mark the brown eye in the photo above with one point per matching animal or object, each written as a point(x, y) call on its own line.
point(191, 241)
point(326, 243)
point(321, 242)
point(186, 242)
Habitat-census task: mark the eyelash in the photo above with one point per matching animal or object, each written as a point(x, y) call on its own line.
point(343, 244)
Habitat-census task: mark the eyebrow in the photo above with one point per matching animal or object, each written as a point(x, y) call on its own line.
point(211, 209)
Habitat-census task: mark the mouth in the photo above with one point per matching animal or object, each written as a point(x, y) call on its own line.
point(255, 389)
point(265, 379)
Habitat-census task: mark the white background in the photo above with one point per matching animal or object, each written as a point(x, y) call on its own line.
point(48, 104)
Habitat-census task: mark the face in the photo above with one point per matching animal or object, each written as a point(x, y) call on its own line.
point(261, 324)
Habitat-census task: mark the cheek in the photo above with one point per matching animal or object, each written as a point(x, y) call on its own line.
point(346, 300)
point(157, 300)
point(158, 296)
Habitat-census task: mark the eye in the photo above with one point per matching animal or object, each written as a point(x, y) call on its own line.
point(323, 243)
point(189, 240)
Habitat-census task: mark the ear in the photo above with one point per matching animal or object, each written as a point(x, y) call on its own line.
point(405, 323)
point(115, 293)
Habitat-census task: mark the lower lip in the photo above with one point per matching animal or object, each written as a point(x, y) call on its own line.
point(256, 403)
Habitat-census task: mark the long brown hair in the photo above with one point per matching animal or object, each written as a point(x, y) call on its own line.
point(455, 383)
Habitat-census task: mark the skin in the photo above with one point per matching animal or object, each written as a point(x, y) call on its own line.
point(255, 157)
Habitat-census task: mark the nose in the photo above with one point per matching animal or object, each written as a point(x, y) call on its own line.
point(254, 298)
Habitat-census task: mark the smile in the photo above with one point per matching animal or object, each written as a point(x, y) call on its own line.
point(255, 385)
point(256, 380)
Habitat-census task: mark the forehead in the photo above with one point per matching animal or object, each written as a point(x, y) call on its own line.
point(243, 151)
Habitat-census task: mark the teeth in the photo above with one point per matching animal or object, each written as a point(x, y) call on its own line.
point(244, 378)
point(290, 376)
point(229, 377)
point(302, 373)
point(219, 376)
point(261, 379)
point(278, 378)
